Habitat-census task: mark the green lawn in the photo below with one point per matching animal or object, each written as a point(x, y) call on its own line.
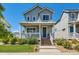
point(17, 48)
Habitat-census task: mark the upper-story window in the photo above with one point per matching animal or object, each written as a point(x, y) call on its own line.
point(34, 18)
point(28, 18)
point(45, 17)
point(72, 16)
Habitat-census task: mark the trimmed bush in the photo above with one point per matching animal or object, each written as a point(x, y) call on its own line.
point(32, 40)
point(59, 41)
point(77, 47)
point(22, 41)
point(13, 41)
point(67, 45)
point(74, 41)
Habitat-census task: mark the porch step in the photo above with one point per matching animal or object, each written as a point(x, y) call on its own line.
point(45, 42)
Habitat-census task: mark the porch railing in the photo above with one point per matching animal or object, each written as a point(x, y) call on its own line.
point(77, 35)
point(27, 35)
point(72, 35)
point(51, 38)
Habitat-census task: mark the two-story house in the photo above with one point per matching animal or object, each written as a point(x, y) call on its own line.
point(2, 19)
point(38, 23)
point(67, 26)
point(5, 23)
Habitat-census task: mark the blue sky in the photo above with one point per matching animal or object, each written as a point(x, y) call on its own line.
point(14, 11)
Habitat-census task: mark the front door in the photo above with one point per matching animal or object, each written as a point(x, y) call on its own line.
point(44, 31)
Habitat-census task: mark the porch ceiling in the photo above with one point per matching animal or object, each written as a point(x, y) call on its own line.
point(36, 23)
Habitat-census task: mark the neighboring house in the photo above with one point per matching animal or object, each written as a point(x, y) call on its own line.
point(5, 23)
point(68, 25)
point(38, 23)
point(16, 34)
point(2, 19)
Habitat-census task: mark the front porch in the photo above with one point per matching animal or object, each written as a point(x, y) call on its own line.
point(42, 31)
point(74, 30)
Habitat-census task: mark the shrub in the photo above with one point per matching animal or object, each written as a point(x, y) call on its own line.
point(32, 40)
point(77, 47)
point(59, 41)
point(74, 41)
point(5, 41)
point(22, 41)
point(13, 41)
point(67, 45)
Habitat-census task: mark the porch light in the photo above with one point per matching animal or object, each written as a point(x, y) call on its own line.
point(63, 29)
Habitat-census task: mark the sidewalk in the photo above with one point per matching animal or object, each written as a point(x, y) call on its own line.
point(44, 50)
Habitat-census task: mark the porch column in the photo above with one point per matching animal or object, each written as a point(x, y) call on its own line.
point(40, 34)
point(26, 32)
point(52, 36)
point(20, 31)
point(74, 30)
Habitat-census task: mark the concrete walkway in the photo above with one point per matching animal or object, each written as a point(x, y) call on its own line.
point(48, 49)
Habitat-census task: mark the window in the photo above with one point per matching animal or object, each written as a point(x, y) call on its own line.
point(71, 29)
point(72, 16)
point(34, 18)
point(31, 30)
point(45, 17)
point(28, 18)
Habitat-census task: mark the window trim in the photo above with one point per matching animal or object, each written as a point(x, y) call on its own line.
point(46, 14)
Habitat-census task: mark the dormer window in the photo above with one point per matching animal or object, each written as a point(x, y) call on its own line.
point(34, 18)
point(73, 16)
point(28, 18)
point(45, 17)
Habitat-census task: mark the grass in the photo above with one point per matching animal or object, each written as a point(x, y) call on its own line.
point(17, 48)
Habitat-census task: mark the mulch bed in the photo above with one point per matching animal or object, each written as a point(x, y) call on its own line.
point(62, 49)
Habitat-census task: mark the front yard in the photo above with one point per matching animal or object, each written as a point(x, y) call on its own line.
point(17, 48)
point(67, 45)
point(19, 45)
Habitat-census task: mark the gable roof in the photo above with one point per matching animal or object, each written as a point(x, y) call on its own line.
point(59, 18)
point(35, 6)
point(70, 10)
point(67, 11)
point(46, 9)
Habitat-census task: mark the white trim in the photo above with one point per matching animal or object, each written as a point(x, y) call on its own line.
point(74, 29)
point(47, 9)
point(46, 14)
point(31, 27)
